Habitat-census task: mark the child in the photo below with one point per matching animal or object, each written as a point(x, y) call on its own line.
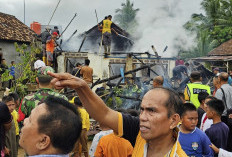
point(215, 109)
point(205, 121)
point(201, 110)
point(11, 143)
point(85, 127)
point(97, 137)
point(193, 141)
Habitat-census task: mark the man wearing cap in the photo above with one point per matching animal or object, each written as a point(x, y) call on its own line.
point(45, 89)
point(50, 46)
point(44, 36)
point(194, 88)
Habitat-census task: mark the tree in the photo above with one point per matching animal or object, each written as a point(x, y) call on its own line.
point(126, 17)
point(212, 28)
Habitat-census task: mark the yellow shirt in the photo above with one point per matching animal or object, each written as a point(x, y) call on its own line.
point(106, 26)
point(15, 118)
point(84, 118)
point(140, 143)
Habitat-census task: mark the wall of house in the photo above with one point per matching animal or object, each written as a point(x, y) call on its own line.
point(9, 52)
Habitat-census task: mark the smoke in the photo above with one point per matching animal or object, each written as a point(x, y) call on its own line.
point(160, 24)
point(160, 21)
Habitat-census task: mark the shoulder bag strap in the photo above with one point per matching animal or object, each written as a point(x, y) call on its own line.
point(224, 97)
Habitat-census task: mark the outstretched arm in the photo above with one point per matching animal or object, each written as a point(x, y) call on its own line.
point(91, 101)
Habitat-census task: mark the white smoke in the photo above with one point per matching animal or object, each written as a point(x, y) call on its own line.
point(161, 23)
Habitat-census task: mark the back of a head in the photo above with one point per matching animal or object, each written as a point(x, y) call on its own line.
point(43, 77)
point(202, 96)
point(173, 103)
point(159, 80)
point(55, 27)
point(78, 64)
point(64, 124)
point(87, 61)
point(223, 76)
point(109, 16)
point(216, 105)
point(186, 64)
point(195, 76)
point(187, 107)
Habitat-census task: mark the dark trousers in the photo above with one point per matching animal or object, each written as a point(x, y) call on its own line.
point(228, 122)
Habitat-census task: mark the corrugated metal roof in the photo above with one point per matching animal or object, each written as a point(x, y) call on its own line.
point(224, 49)
point(13, 29)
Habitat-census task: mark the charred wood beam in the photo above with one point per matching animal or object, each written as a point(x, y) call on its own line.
point(144, 64)
point(118, 76)
point(82, 42)
point(112, 92)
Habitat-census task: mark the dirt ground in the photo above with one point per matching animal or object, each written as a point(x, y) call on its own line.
point(21, 151)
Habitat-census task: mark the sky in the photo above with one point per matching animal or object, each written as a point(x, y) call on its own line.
point(160, 21)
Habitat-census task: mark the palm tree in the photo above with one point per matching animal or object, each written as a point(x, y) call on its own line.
point(126, 15)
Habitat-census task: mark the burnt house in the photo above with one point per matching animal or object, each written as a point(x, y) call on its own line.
point(220, 57)
point(91, 39)
point(13, 30)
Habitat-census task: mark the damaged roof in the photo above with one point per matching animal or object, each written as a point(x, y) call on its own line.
point(224, 49)
point(14, 30)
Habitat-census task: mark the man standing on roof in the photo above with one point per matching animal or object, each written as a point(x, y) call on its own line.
point(107, 25)
point(44, 36)
point(50, 46)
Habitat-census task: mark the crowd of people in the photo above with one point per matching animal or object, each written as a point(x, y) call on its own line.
point(197, 122)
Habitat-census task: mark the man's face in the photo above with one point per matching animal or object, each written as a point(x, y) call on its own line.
point(11, 106)
point(209, 112)
point(154, 121)
point(189, 120)
point(205, 105)
point(30, 137)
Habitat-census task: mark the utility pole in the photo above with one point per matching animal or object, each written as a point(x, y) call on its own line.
point(24, 10)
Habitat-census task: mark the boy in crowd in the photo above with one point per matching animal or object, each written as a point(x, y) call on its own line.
point(11, 143)
point(85, 127)
point(104, 131)
point(205, 121)
point(193, 141)
point(215, 109)
point(201, 110)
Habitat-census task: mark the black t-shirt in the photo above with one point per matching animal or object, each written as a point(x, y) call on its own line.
point(130, 128)
point(5, 117)
point(200, 112)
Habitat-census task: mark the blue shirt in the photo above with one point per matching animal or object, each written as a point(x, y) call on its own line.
point(230, 80)
point(196, 144)
point(59, 155)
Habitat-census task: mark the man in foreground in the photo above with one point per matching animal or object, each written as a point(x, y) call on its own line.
point(52, 129)
point(153, 133)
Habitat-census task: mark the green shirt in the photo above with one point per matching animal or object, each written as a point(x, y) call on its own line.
point(32, 100)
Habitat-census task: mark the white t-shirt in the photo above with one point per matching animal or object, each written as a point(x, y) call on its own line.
point(38, 64)
point(96, 139)
point(224, 153)
point(205, 124)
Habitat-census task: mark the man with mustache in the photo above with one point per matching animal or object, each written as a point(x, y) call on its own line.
point(154, 133)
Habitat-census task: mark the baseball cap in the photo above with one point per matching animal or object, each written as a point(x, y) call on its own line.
point(217, 69)
point(55, 33)
point(38, 64)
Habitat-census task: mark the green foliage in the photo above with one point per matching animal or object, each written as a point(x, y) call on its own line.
point(24, 70)
point(126, 17)
point(127, 90)
point(211, 29)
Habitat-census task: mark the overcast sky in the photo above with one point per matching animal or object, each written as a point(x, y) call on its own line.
point(160, 21)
